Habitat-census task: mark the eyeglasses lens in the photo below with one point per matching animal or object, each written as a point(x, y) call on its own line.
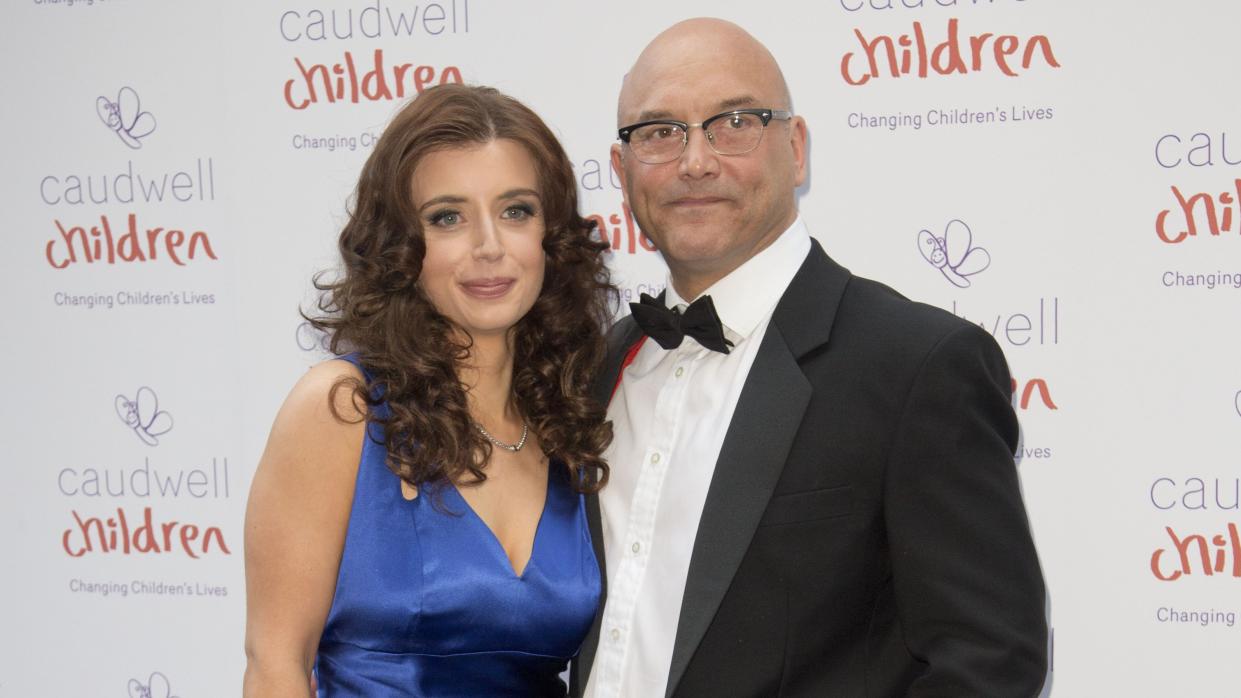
point(734, 134)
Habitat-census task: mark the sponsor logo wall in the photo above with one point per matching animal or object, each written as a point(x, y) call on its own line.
point(1064, 175)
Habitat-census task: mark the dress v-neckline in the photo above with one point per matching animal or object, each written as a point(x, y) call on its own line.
point(495, 540)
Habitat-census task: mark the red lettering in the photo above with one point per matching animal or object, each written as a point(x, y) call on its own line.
point(1218, 218)
point(398, 76)
point(218, 535)
point(370, 84)
point(128, 247)
point(1044, 394)
point(845, 60)
point(907, 54)
point(144, 535)
point(168, 528)
point(629, 239)
point(94, 534)
point(308, 80)
point(375, 83)
point(977, 43)
point(1005, 46)
point(1034, 384)
point(353, 77)
point(84, 528)
point(950, 47)
point(1158, 572)
point(61, 253)
point(1235, 538)
point(423, 74)
point(451, 74)
point(1040, 42)
point(189, 534)
point(172, 241)
point(200, 238)
point(1193, 548)
point(67, 236)
point(107, 231)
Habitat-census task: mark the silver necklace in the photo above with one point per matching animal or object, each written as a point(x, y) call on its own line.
point(525, 431)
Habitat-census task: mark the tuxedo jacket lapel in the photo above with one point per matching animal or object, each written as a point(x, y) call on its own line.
point(620, 340)
point(751, 459)
point(768, 415)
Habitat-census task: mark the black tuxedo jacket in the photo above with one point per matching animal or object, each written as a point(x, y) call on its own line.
point(864, 532)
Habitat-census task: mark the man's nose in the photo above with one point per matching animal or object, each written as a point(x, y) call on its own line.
point(699, 159)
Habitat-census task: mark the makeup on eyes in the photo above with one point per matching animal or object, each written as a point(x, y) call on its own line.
point(440, 218)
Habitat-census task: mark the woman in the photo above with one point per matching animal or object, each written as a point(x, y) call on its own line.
point(451, 557)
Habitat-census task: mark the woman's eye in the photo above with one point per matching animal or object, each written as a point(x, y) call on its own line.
point(519, 212)
point(445, 219)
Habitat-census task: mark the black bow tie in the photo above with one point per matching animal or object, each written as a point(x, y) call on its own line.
point(668, 327)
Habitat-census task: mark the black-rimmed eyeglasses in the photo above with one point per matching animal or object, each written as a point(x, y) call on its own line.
point(735, 132)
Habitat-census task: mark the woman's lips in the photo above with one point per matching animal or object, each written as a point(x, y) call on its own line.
point(488, 288)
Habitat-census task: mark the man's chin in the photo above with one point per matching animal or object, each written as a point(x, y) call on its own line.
point(696, 253)
point(690, 225)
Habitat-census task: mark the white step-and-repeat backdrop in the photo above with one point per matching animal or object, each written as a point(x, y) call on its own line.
point(1064, 174)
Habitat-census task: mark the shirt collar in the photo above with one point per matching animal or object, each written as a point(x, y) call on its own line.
point(748, 294)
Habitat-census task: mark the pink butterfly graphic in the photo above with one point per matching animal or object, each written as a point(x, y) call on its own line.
point(125, 116)
point(143, 415)
point(954, 254)
point(156, 687)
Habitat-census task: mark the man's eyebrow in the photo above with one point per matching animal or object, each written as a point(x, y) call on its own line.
point(723, 106)
point(653, 115)
point(738, 103)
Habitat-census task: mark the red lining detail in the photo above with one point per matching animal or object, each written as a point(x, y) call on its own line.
point(629, 357)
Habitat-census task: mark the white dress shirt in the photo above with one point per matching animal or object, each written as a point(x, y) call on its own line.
point(670, 414)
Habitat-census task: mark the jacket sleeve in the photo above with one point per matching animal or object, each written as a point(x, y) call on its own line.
point(966, 577)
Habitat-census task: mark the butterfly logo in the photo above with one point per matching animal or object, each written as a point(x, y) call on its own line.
point(125, 116)
point(954, 254)
point(156, 687)
point(143, 415)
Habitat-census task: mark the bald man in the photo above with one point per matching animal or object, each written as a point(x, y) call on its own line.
point(813, 490)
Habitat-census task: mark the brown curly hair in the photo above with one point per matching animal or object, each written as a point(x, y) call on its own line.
point(376, 308)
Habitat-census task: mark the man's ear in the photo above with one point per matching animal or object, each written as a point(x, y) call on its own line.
point(797, 141)
point(618, 166)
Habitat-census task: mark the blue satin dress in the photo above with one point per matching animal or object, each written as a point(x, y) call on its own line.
point(427, 603)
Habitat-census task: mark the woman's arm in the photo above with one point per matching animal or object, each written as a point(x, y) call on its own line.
point(296, 519)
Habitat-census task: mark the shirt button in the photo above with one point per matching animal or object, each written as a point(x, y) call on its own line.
point(655, 458)
point(615, 634)
point(635, 547)
point(680, 371)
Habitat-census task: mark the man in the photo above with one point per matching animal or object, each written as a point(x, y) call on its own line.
point(817, 497)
